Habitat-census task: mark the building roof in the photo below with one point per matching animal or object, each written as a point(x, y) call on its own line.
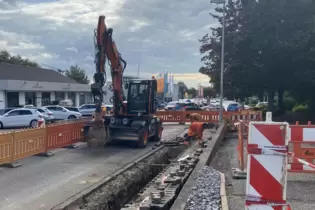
point(19, 72)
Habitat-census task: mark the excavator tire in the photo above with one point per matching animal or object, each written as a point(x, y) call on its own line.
point(158, 132)
point(143, 140)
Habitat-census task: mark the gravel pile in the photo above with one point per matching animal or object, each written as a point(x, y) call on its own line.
point(206, 192)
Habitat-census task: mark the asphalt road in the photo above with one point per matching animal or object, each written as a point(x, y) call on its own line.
point(300, 187)
point(43, 182)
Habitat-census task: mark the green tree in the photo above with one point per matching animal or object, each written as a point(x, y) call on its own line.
point(269, 48)
point(209, 92)
point(5, 57)
point(77, 74)
point(192, 92)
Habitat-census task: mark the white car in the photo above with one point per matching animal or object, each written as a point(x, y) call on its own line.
point(171, 105)
point(48, 115)
point(87, 109)
point(21, 117)
point(61, 113)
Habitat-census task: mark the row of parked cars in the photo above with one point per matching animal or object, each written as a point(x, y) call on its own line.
point(211, 106)
point(28, 116)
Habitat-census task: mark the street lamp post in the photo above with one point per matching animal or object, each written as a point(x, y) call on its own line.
point(222, 57)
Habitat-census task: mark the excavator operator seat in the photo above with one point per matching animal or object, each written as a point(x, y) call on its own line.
point(141, 97)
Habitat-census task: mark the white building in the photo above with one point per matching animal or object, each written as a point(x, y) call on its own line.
point(21, 85)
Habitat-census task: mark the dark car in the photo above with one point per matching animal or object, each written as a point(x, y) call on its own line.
point(186, 107)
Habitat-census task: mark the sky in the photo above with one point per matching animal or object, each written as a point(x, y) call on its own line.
point(157, 35)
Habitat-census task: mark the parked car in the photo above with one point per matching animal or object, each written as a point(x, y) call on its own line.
point(87, 109)
point(28, 106)
point(3, 111)
point(191, 107)
point(246, 107)
point(262, 104)
point(61, 113)
point(211, 107)
point(20, 117)
point(48, 115)
point(71, 108)
point(231, 106)
point(66, 102)
point(186, 107)
point(171, 105)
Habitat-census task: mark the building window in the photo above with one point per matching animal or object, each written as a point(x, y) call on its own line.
point(13, 99)
point(88, 98)
point(60, 96)
point(81, 99)
point(46, 98)
point(30, 98)
point(71, 96)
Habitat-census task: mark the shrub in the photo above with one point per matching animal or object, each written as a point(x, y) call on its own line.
point(289, 103)
point(300, 108)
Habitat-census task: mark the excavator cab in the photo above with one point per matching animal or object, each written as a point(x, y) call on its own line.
point(138, 124)
point(141, 97)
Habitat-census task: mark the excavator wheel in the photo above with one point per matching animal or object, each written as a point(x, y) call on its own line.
point(158, 132)
point(143, 140)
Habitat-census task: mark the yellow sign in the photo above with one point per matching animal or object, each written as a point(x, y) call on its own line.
point(160, 85)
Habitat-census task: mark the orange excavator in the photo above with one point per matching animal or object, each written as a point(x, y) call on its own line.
point(133, 120)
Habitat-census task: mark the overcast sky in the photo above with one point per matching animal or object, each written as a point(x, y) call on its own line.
point(159, 35)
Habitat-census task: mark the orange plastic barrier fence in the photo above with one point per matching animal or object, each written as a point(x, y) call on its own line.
point(209, 116)
point(301, 145)
point(63, 134)
point(17, 145)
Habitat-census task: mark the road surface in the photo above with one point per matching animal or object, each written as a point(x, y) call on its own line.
point(300, 187)
point(44, 182)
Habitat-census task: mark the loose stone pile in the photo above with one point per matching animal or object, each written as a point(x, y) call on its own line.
point(206, 192)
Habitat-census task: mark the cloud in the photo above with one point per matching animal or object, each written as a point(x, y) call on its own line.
point(158, 35)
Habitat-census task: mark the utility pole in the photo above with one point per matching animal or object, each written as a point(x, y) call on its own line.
point(138, 69)
point(222, 57)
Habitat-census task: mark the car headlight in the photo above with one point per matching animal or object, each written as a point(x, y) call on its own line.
point(125, 121)
point(112, 120)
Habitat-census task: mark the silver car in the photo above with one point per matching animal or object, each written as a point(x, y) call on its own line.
point(20, 117)
point(61, 113)
point(87, 109)
point(48, 115)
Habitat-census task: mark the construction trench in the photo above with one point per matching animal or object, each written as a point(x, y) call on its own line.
point(154, 180)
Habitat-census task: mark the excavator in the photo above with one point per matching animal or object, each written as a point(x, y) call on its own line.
point(132, 117)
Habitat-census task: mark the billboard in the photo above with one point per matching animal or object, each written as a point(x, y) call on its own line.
point(160, 85)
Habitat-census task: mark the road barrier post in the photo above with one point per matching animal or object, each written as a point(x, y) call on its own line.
point(267, 162)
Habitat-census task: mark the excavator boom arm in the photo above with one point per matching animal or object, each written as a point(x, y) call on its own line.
point(106, 50)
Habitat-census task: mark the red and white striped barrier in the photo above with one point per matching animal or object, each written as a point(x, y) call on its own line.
point(267, 177)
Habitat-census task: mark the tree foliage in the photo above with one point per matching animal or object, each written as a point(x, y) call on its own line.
point(6, 57)
point(77, 74)
point(269, 48)
point(192, 92)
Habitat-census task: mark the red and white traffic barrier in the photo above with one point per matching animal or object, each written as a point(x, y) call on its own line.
point(41, 123)
point(267, 177)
